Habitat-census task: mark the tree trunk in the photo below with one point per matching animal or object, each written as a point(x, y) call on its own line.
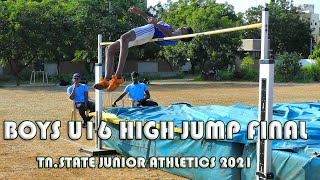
point(202, 65)
point(192, 68)
point(87, 66)
point(92, 67)
point(15, 73)
point(171, 68)
point(17, 79)
point(58, 67)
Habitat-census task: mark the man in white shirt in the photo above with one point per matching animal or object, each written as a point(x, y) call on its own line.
point(138, 93)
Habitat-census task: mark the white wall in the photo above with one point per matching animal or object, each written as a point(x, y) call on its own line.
point(51, 68)
point(186, 67)
point(147, 67)
point(308, 9)
point(315, 23)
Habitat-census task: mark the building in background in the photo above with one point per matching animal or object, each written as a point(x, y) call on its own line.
point(308, 10)
point(253, 47)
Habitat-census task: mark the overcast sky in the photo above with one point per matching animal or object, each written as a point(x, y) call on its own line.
point(243, 5)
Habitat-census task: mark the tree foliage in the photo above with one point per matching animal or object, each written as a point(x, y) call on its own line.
point(55, 31)
point(31, 31)
point(202, 16)
point(109, 18)
point(288, 30)
point(287, 67)
point(315, 54)
point(247, 62)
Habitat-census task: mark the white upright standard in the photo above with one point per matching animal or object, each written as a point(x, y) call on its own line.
point(98, 109)
point(266, 83)
point(98, 93)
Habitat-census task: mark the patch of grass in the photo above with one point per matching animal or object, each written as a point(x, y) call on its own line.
point(198, 78)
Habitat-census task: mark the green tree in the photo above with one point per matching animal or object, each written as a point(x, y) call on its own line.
point(59, 44)
point(247, 71)
point(203, 15)
point(109, 18)
point(315, 54)
point(288, 31)
point(287, 67)
point(55, 31)
point(247, 62)
point(32, 31)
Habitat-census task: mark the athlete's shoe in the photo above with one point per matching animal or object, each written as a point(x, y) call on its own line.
point(114, 83)
point(103, 84)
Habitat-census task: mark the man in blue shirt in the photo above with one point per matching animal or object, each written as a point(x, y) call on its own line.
point(138, 93)
point(135, 37)
point(78, 93)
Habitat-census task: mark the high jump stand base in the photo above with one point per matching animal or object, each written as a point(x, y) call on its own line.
point(99, 152)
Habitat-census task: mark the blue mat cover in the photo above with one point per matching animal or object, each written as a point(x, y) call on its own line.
point(292, 159)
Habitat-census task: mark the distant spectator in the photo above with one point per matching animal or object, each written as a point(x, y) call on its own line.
point(138, 93)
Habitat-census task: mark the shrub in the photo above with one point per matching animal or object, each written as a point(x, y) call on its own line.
point(247, 63)
point(180, 75)
point(6, 78)
point(225, 75)
point(315, 70)
point(64, 77)
point(198, 78)
point(26, 73)
point(288, 67)
point(89, 76)
point(247, 72)
point(304, 75)
point(251, 75)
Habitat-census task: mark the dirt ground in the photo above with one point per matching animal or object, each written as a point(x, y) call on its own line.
point(18, 157)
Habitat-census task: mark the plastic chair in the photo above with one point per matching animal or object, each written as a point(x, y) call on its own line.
point(74, 112)
point(109, 98)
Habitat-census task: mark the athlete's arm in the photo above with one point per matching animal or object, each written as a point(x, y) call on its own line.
point(114, 104)
point(165, 31)
point(138, 12)
point(150, 20)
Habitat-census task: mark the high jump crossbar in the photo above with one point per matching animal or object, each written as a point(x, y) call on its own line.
point(220, 31)
point(266, 85)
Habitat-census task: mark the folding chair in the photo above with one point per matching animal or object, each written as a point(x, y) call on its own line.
point(74, 112)
point(109, 98)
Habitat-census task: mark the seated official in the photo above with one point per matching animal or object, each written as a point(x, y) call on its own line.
point(138, 93)
point(78, 92)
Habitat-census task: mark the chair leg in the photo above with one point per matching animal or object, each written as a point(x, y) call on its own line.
point(87, 112)
point(73, 115)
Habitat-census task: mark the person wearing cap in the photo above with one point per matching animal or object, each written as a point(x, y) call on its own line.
point(138, 93)
point(78, 93)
